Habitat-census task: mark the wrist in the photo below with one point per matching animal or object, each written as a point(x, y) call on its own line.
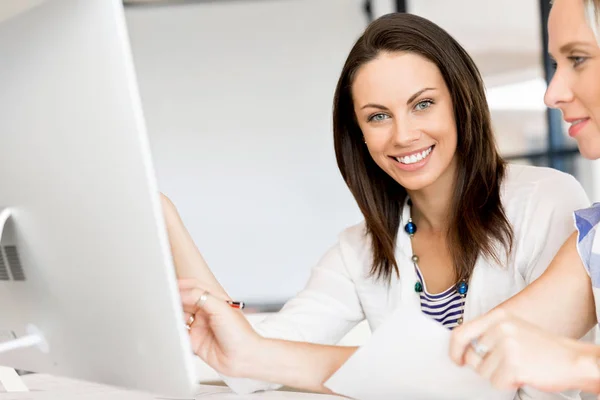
point(250, 361)
point(586, 367)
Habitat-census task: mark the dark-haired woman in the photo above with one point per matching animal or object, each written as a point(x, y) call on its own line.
point(449, 228)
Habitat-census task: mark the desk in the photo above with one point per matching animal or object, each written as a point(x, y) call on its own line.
point(47, 387)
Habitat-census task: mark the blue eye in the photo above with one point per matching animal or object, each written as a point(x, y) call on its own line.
point(423, 105)
point(378, 117)
point(577, 60)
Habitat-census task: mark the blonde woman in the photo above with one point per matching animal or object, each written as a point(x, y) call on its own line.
point(514, 345)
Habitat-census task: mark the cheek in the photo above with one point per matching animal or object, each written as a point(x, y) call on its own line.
point(378, 154)
point(449, 147)
point(444, 132)
point(377, 142)
point(377, 138)
point(587, 90)
point(595, 101)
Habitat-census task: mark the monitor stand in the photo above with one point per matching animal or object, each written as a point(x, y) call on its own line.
point(9, 379)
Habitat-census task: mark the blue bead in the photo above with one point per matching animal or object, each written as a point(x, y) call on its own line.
point(410, 228)
point(462, 288)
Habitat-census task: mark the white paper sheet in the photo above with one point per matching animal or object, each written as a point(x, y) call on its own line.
point(407, 358)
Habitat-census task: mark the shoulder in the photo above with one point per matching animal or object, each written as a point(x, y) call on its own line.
point(541, 189)
point(526, 175)
point(587, 222)
point(355, 237)
point(539, 203)
point(586, 219)
point(354, 246)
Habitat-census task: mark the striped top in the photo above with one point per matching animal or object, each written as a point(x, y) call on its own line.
point(446, 307)
point(587, 222)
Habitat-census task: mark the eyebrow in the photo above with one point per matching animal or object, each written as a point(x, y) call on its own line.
point(410, 100)
point(569, 46)
point(420, 92)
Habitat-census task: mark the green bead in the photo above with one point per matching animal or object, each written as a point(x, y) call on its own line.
point(415, 258)
point(418, 287)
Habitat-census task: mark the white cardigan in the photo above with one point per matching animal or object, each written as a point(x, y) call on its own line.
point(539, 203)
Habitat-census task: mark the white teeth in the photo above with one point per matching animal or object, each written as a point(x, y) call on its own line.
point(414, 158)
point(578, 121)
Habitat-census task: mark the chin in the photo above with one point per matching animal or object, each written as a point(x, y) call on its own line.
point(591, 151)
point(416, 183)
point(589, 145)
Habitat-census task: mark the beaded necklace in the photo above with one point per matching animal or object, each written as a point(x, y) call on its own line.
point(462, 287)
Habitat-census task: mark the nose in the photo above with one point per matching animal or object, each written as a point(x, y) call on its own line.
point(405, 134)
point(558, 92)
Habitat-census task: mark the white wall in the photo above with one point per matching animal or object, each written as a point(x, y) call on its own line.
point(238, 97)
point(12, 8)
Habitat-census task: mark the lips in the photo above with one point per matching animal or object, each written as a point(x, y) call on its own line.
point(413, 158)
point(413, 161)
point(577, 124)
point(578, 121)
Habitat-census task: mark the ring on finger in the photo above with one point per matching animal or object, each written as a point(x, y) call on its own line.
point(202, 300)
point(480, 349)
point(190, 321)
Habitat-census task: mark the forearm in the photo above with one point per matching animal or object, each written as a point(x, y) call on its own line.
point(300, 365)
point(187, 259)
point(561, 299)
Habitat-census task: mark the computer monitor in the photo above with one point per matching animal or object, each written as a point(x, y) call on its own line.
point(85, 259)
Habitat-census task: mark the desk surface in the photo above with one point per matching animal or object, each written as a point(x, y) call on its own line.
point(47, 387)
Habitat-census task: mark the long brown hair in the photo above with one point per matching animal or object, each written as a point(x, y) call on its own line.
point(478, 222)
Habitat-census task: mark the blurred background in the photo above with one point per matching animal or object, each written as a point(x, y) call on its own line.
point(237, 97)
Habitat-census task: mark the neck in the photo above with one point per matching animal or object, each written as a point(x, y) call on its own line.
point(431, 205)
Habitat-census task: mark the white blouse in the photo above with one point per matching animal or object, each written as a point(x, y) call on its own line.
point(539, 203)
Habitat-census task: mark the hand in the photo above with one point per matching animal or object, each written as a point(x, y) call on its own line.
point(220, 334)
point(513, 353)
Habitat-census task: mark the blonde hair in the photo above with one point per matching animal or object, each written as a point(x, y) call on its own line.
point(592, 13)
